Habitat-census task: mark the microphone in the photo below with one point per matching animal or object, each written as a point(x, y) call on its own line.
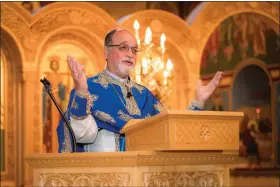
point(129, 94)
point(47, 86)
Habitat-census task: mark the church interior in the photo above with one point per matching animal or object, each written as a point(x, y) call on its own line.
point(182, 42)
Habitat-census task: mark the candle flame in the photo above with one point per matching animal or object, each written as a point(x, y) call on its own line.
point(148, 36)
point(136, 25)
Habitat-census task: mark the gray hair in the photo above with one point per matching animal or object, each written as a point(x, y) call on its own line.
point(109, 36)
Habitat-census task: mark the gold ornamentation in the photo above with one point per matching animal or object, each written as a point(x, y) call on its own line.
point(84, 179)
point(123, 116)
point(66, 145)
point(133, 84)
point(84, 96)
point(16, 24)
point(139, 160)
point(104, 117)
point(184, 178)
point(130, 103)
point(74, 104)
point(78, 117)
point(90, 100)
point(159, 107)
point(29, 34)
point(194, 104)
point(154, 68)
point(199, 131)
point(102, 80)
point(205, 132)
point(117, 142)
point(105, 80)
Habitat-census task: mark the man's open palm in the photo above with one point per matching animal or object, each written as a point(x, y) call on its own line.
point(78, 74)
point(203, 93)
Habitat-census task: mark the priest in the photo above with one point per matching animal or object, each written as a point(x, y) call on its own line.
point(100, 106)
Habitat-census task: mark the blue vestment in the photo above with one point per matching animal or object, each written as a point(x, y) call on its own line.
point(111, 106)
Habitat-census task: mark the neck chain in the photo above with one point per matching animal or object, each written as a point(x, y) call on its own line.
point(116, 92)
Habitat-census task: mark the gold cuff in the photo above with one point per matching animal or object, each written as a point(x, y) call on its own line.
point(197, 104)
point(82, 95)
point(78, 118)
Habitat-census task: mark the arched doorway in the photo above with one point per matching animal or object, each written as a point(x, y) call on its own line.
point(11, 111)
point(251, 88)
point(251, 94)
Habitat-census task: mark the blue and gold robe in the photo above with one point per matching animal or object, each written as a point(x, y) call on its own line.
point(109, 105)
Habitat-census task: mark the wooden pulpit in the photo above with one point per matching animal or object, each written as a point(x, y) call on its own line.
point(175, 148)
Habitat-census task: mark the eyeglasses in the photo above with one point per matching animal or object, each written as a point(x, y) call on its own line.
point(125, 48)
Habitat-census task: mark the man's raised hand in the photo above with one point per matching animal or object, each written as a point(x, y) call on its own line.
point(204, 92)
point(78, 75)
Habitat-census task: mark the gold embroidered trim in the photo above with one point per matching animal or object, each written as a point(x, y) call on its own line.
point(132, 84)
point(90, 99)
point(158, 106)
point(104, 117)
point(130, 103)
point(90, 102)
point(78, 118)
point(112, 80)
point(66, 145)
point(82, 95)
point(117, 142)
point(123, 116)
point(102, 80)
point(194, 104)
point(74, 103)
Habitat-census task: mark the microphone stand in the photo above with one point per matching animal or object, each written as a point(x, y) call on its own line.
point(47, 85)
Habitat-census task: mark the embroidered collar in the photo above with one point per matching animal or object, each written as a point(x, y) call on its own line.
point(116, 77)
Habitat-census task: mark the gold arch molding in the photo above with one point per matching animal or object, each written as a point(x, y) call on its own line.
point(30, 31)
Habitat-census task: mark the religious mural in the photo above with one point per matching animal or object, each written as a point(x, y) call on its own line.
point(239, 37)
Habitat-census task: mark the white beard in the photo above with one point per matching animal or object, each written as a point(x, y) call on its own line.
point(124, 69)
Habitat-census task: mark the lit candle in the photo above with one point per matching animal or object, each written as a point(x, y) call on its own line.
point(169, 64)
point(165, 74)
point(165, 82)
point(148, 36)
point(162, 41)
point(136, 27)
